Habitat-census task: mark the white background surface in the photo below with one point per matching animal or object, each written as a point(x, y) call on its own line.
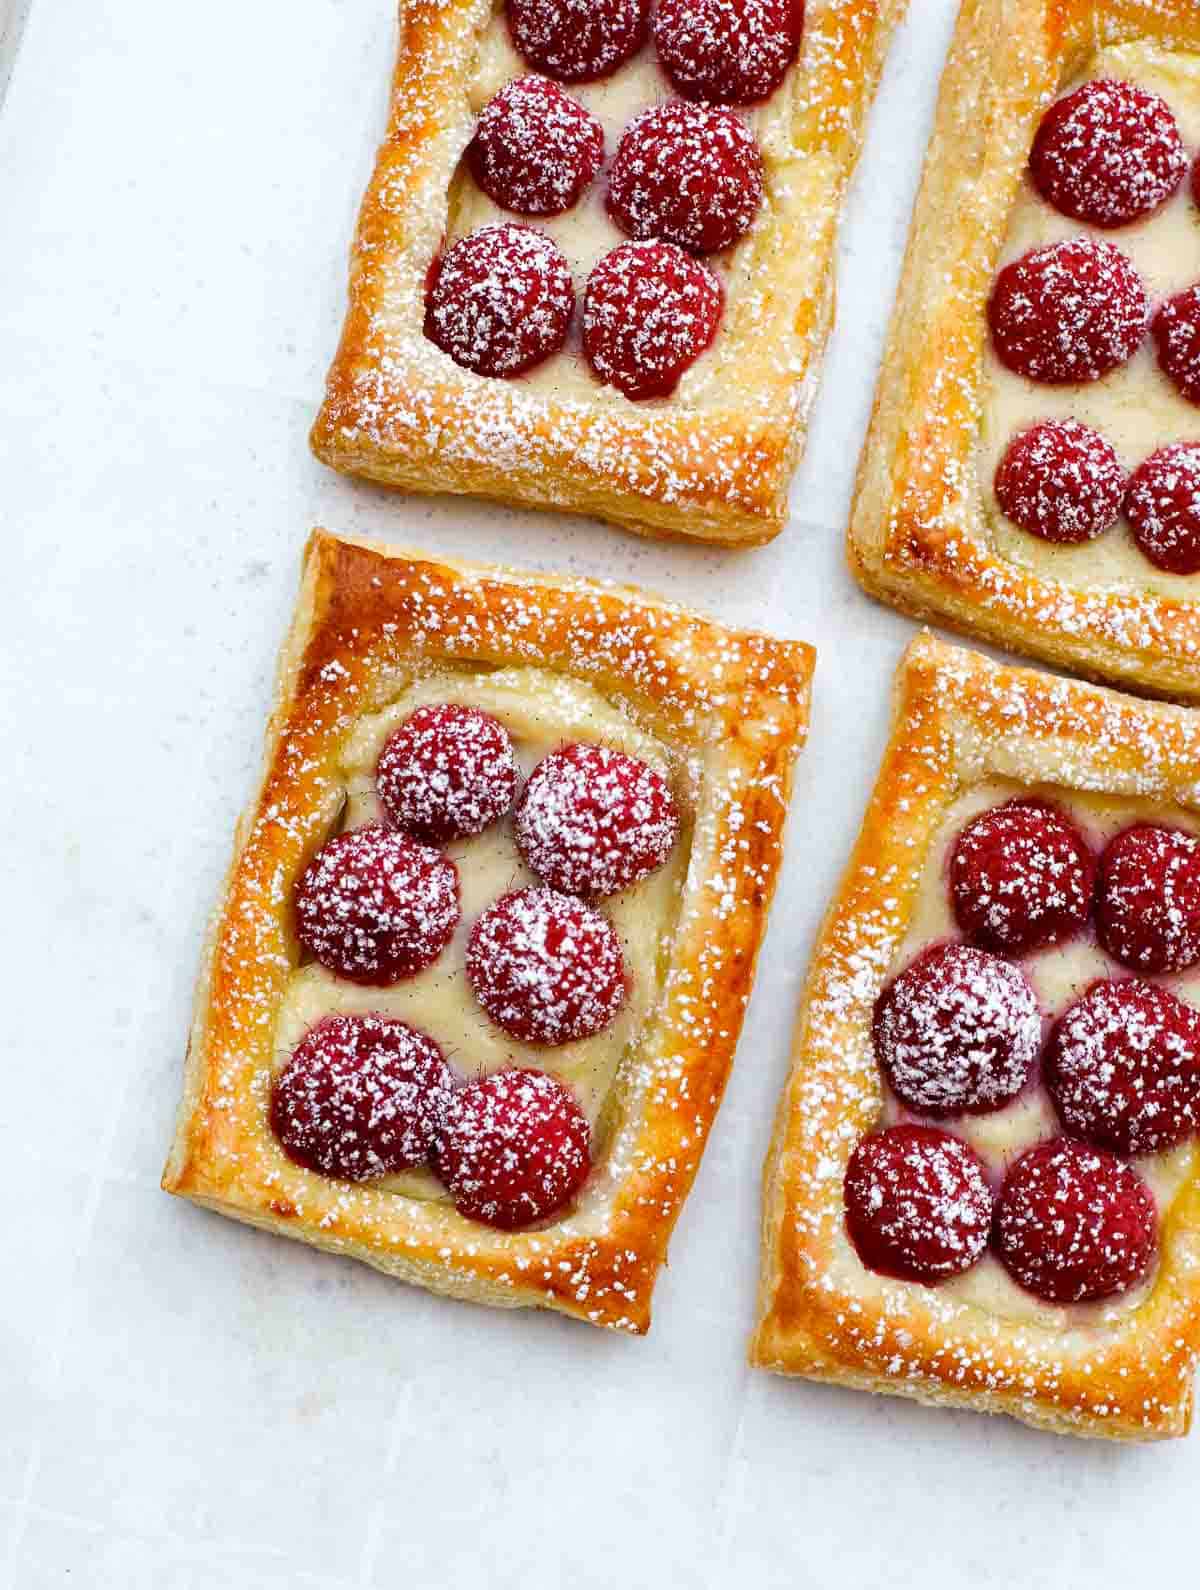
point(185, 1403)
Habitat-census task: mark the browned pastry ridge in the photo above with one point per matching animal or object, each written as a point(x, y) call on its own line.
point(713, 463)
point(733, 709)
point(960, 720)
point(919, 535)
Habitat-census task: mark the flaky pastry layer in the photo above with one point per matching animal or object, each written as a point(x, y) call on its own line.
point(960, 721)
point(732, 705)
point(919, 537)
point(715, 467)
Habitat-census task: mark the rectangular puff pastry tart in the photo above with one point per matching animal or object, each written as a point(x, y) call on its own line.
point(473, 988)
point(1032, 471)
point(594, 266)
point(984, 1185)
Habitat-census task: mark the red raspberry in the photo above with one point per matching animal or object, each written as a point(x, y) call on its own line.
point(1148, 899)
point(373, 906)
point(1123, 1068)
point(1108, 153)
point(649, 312)
point(957, 1031)
point(1176, 330)
point(594, 821)
point(917, 1204)
point(360, 1097)
point(535, 148)
point(731, 52)
point(445, 773)
point(687, 173)
point(1074, 1224)
point(500, 300)
point(546, 968)
point(1068, 312)
point(1061, 480)
point(578, 40)
point(1021, 876)
point(513, 1149)
point(1162, 505)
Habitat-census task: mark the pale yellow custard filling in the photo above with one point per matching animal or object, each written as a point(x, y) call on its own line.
point(541, 711)
point(1136, 407)
point(1059, 975)
point(585, 232)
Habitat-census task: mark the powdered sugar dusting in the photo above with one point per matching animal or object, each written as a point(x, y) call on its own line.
point(393, 623)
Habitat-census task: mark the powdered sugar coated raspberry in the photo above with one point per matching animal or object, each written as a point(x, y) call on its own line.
point(535, 148)
point(957, 1031)
point(1176, 329)
point(1148, 899)
point(514, 1148)
point(1108, 153)
point(1074, 1224)
point(500, 300)
point(729, 52)
point(1123, 1067)
point(593, 821)
point(917, 1204)
point(578, 41)
point(1062, 481)
point(1162, 505)
point(446, 772)
point(547, 968)
point(1068, 312)
point(374, 906)
point(1021, 877)
point(649, 312)
point(360, 1097)
point(691, 174)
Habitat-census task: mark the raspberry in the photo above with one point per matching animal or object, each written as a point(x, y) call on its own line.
point(578, 41)
point(500, 300)
point(535, 148)
point(1062, 481)
point(1068, 312)
point(730, 52)
point(1108, 153)
point(957, 1031)
point(445, 773)
point(1162, 505)
point(1148, 899)
point(1176, 331)
point(1123, 1068)
point(649, 312)
point(1074, 1224)
point(360, 1097)
point(373, 906)
point(513, 1149)
point(546, 968)
point(594, 821)
point(917, 1204)
point(1021, 876)
point(687, 173)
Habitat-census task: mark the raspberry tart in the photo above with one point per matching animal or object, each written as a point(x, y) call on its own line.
point(479, 969)
point(984, 1187)
point(607, 283)
point(1032, 473)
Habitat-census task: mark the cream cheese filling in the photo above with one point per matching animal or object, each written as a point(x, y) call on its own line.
point(541, 711)
point(1136, 407)
point(585, 232)
point(1059, 975)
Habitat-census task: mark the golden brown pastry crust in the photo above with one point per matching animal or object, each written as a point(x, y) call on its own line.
point(735, 704)
point(918, 536)
point(960, 719)
point(399, 411)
